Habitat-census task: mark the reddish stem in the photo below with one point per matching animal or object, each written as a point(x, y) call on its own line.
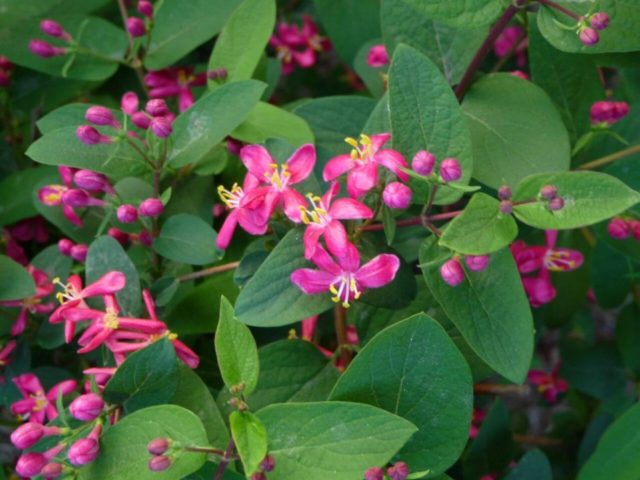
point(560, 8)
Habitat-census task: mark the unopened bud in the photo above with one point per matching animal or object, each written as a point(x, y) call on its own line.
point(158, 446)
point(476, 263)
point(397, 195)
point(556, 204)
point(450, 170)
point(141, 120)
point(634, 225)
point(79, 252)
point(608, 112)
point(506, 207)
point(374, 473)
point(83, 451)
point(129, 103)
point(599, 20)
point(44, 49)
point(64, 246)
point(619, 229)
point(30, 433)
point(151, 207)
point(92, 181)
point(52, 470)
point(589, 36)
point(74, 197)
point(159, 463)
point(53, 29)
point(100, 115)
point(145, 8)
point(268, 464)
point(127, 213)
point(504, 193)
point(400, 471)
point(219, 73)
point(136, 27)
point(157, 107)
point(259, 476)
point(87, 407)
point(549, 192)
point(121, 237)
point(451, 272)
point(423, 162)
point(30, 464)
point(161, 127)
point(90, 136)
point(377, 56)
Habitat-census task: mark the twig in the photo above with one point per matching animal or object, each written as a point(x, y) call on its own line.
point(537, 441)
point(492, 389)
point(224, 461)
point(214, 451)
point(208, 271)
point(560, 8)
point(610, 158)
point(135, 62)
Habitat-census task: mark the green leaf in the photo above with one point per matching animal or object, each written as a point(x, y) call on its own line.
point(413, 369)
point(628, 336)
point(193, 394)
point(270, 299)
point(450, 48)
point(250, 438)
point(489, 308)
point(243, 39)
point(515, 130)
point(590, 197)
point(123, 447)
point(481, 228)
point(463, 13)
point(610, 279)
point(106, 255)
point(185, 238)
point(180, 27)
point(425, 115)
point(619, 36)
point(236, 351)
point(533, 466)
point(268, 121)
point(147, 377)
point(15, 194)
point(102, 47)
point(336, 440)
point(616, 456)
point(211, 118)
point(15, 282)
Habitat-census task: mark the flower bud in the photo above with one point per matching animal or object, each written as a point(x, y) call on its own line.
point(540, 291)
point(151, 207)
point(556, 204)
point(608, 112)
point(44, 49)
point(476, 263)
point(504, 193)
point(53, 29)
point(159, 463)
point(451, 272)
point(396, 195)
point(5, 81)
point(589, 36)
point(549, 192)
point(619, 229)
point(400, 471)
point(141, 120)
point(87, 407)
point(161, 127)
point(84, 451)
point(127, 213)
point(506, 207)
point(90, 136)
point(374, 473)
point(634, 225)
point(100, 115)
point(52, 470)
point(135, 27)
point(79, 252)
point(157, 107)
point(259, 476)
point(268, 464)
point(423, 162)
point(74, 197)
point(450, 170)
point(145, 8)
point(599, 20)
point(121, 237)
point(92, 181)
point(27, 435)
point(129, 103)
point(377, 56)
point(64, 246)
point(5, 63)
point(51, 195)
point(30, 464)
point(145, 238)
point(158, 446)
point(219, 73)
point(234, 146)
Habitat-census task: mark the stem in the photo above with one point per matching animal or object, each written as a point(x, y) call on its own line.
point(208, 271)
point(560, 8)
point(492, 389)
point(340, 319)
point(410, 222)
point(135, 63)
point(214, 451)
point(536, 440)
point(610, 158)
point(495, 31)
point(224, 461)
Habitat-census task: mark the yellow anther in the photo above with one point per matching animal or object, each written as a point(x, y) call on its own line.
point(293, 335)
point(352, 141)
point(231, 198)
point(111, 320)
point(172, 336)
point(365, 140)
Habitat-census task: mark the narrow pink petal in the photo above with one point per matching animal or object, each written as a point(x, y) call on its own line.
point(378, 271)
point(81, 314)
point(257, 160)
point(337, 166)
point(393, 161)
point(362, 179)
point(335, 237)
point(552, 237)
point(250, 183)
point(185, 354)
point(142, 325)
point(21, 323)
point(95, 342)
point(309, 327)
point(110, 282)
point(226, 232)
point(52, 412)
point(28, 384)
point(310, 239)
point(327, 198)
point(292, 203)
point(71, 215)
point(538, 377)
point(301, 163)
point(350, 259)
point(66, 387)
point(305, 58)
point(349, 209)
point(378, 141)
point(324, 261)
point(23, 406)
point(312, 281)
point(69, 331)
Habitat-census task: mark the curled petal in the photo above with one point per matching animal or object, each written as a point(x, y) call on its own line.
point(110, 282)
point(226, 232)
point(292, 203)
point(379, 271)
point(362, 179)
point(310, 239)
point(66, 387)
point(301, 163)
point(337, 166)
point(328, 196)
point(378, 141)
point(393, 161)
point(312, 281)
point(70, 214)
point(349, 209)
point(257, 160)
point(336, 238)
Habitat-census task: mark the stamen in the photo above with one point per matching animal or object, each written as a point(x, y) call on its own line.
point(231, 198)
point(69, 292)
point(111, 321)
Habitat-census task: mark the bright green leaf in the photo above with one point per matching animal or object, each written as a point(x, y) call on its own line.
point(250, 438)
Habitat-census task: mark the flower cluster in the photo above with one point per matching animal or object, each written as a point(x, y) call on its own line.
point(398, 471)
point(607, 113)
point(589, 26)
point(45, 49)
point(623, 228)
point(138, 27)
point(298, 47)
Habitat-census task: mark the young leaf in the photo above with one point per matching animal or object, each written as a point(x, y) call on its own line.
point(187, 239)
point(15, 282)
point(236, 351)
point(413, 369)
point(250, 438)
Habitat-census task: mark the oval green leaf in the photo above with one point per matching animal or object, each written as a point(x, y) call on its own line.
point(15, 282)
point(187, 239)
point(250, 438)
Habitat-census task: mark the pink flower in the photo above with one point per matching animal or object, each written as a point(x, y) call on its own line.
point(30, 433)
point(362, 164)
point(345, 279)
point(476, 420)
point(608, 113)
point(6, 352)
point(280, 178)
point(31, 464)
point(619, 229)
point(512, 39)
point(53, 195)
point(397, 195)
point(377, 56)
point(86, 449)
point(549, 384)
point(175, 82)
point(323, 219)
point(36, 404)
point(298, 46)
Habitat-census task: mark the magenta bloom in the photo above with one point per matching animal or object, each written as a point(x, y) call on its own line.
point(549, 384)
point(297, 46)
point(378, 56)
point(608, 113)
point(280, 178)
point(86, 449)
point(362, 164)
point(44, 49)
point(6, 351)
point(87, 407)
point(345, 279)
point(397, 195)
point(512, 38)
point(30, 433)
point(323, 219)
point(36, 404)
point(175, 82)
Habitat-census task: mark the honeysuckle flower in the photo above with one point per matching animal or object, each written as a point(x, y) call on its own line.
point(324, 220)
point(32, 304)
point(175, 82)
point(280, 178)
point(52, 470)
point(361, 165)
point(151, 207)
point(397, 195)
point(345, 279)
point(607, 113)
point(550, 385)
point(86, 449)
point(30, 433)
point(92, 181)
point(90, 136)
point(377, 56)
point(512, 39)
point(37, 404)
point(298, 46)
point(6, 351)
point(32, 464)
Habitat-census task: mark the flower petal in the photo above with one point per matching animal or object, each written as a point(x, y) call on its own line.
point(337, 166)
point(257, 160)
point(378, 271)
point(110, 282)
point(362, 179)
point(66, 387)
point(335, 237)
point(226, 231)
point(310, 239)
point(349, 209)
point(324, 261)
point(378, 141)
point(301, 163)
point(312, 281)
point(292, 203)
point(393, 161)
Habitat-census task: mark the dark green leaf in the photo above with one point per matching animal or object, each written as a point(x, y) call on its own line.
point(187, 239)
point(610, 279)
point(268, 121)
point(15, 194)
point(628, 337)
point(464, 13)
point(15, 282)
point(533, 466)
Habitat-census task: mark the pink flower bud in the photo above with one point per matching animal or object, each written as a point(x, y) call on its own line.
point(450, 170)
point(83, 451)
point(423, 162)
point(99, 115)
point(64, 246)
point(30, 464)
point(127, 213)
point(141, 120)
point(396, 195)
point(506, 207)
point(549, 192)
point(159, 463)
point(52, 470)
point(556, 204)
point(161, 127)
point(268, 464)
point(219, 73)
point(634, 225)
point(157, 107)
point(5, 63)
point(504, 193)
point(44, 49)
point(259, 476)
point(51, 195)
point(377, 56)
point(90, 136)
point(158, 446)
point(539, 290)
point(145, 8)
point(87, 407)
point(79, 252)
point(119, 235)
point(599, 20)
point(136, 27)
point(619, 229)
point(151, 207)
point(145, 238)
point(589, 36)
point(374, 473)
point(92, 181)
point(74, 197)
point(53, 29)
point(476, 263)
point(608, 112)
point(27, 435)
point(234, 146)
point(451, 272)
point(400, 471)
point(129, 103)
